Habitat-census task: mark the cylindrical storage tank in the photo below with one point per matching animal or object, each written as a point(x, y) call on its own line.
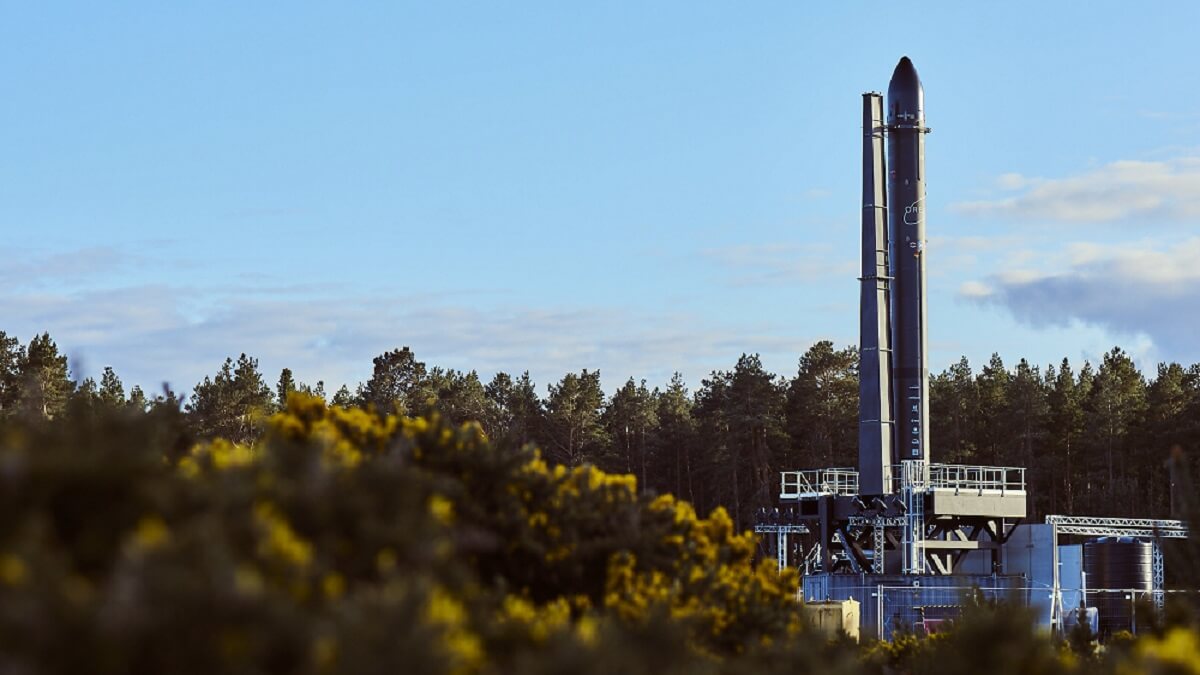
point(1119, 570)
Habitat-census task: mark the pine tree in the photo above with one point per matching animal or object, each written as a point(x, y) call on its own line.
point(992, 429)
point(675, 439)
point(1116, 403)
point(528, 411)
point(395, 383)
point(514, 409)
point(167, 400)
point(45, 379)
point(500, 418)
point(284, 388)
point(112, 391)
point(86, 396)
point(1026, 413)
point(317, 391)
point(757, 399)
point(137, 399)
point(822, 407)
point(573, 418)
point(953, 400)
point(342, 397)
point(717, 468)
point(226, 406)
point(1065, 412)
point(459, 396)
point(1167, 401)
point(12, 355)
point(629, 418)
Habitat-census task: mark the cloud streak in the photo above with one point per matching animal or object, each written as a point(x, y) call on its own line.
point(26, 268)
point(1122, 191)
point(781, 263)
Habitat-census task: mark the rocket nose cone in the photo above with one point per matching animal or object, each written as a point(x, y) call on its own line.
point(906, 96)
point(905, 74)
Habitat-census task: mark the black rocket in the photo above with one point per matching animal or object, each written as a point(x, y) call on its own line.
point(906, 222)
point(894, 371)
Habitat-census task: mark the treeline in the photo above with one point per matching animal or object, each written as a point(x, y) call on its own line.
point(1094, 438)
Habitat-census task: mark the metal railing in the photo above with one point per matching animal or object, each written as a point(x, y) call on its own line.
point(958, 477)
point(918, 475)
point(839, 481)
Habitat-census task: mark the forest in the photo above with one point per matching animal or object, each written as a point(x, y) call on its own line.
point(1095, 438)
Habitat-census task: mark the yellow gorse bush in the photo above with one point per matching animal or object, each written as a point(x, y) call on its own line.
point(578, 524)
point(1177, 652)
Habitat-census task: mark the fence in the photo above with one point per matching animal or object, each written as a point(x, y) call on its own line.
point(924, 609)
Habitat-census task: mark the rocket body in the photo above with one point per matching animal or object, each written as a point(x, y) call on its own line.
point(906, 225)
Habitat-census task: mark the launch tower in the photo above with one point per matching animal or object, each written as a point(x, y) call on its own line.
point(900, 525)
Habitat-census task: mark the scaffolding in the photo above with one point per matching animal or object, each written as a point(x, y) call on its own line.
point(913, 481)
point(1138, 528)
point(781, 533)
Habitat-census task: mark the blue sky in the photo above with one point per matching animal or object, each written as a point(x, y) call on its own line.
point(554, 186)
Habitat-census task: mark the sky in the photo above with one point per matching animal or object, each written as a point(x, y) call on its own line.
point(639, 188)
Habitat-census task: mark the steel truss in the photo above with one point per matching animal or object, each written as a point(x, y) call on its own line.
point(1091, 526)
point(781, 533)
point(1139, 528)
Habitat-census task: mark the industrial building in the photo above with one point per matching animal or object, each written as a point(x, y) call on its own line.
point(911, 540)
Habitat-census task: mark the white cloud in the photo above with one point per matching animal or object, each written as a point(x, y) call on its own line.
point(154, 333)
point(975, 289)
point(1011, 181)
point(1121, 191)
point(1139, 290)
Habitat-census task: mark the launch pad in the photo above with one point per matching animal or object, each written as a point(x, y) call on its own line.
point(902, 535)
point(930, 518)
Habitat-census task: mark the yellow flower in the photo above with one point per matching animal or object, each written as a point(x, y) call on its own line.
point(333, 585)
point(459, 642)
point(12, 570)
point(247, 580)
point(151, 533)
point(444, 609)
point(188, 467)
point(585, 630)
point(442, 509)
point(1179, 650)
point(385, 560)
point(278, 539)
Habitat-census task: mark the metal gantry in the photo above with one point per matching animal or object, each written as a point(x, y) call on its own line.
point(1140, 528)
point(879, 544)
point(781, 533)
point(1092, 526)
point(912, 486)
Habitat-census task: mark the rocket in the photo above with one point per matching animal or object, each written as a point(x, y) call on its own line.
point(906, 223)
point(893, 363)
